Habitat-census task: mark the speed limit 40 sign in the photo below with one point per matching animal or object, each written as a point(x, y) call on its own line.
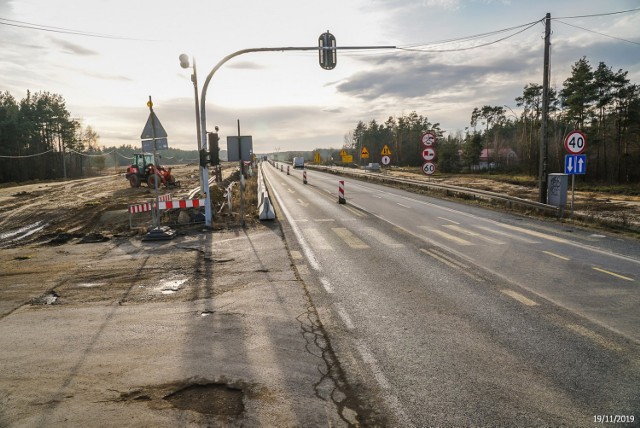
point(575, 143)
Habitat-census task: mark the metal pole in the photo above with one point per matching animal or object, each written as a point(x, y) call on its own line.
point(241, 176)
point(544, 139)
point(156, 221)
point(194, 79)
point(203, 96)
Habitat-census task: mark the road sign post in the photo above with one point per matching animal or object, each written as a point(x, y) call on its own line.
point(575, 163)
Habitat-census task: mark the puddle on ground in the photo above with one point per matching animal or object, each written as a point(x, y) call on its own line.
point(170, 286)
point(209, 399)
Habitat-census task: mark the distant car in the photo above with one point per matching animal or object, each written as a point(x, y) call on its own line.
point(298, 162)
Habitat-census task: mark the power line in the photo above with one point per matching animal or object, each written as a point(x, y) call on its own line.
point(598, 14)
point(51, 29)
point(526, 27)
point(596, 32)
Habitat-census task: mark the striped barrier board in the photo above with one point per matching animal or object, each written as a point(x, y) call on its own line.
point(143, 207)
point(182, 203)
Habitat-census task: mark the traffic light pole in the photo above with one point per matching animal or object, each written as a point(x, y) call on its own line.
point(203, 97)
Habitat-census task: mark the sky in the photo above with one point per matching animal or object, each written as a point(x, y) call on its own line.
point(122, 52)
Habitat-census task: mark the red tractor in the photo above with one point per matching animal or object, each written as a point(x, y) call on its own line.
point(145, 170)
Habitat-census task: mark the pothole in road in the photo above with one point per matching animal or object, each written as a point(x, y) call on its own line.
point(209, 399)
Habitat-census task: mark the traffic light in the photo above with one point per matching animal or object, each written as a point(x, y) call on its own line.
point(204, 158)
point(214, 148)
point(327, 52)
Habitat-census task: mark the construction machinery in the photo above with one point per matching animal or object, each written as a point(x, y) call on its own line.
point(145, 170)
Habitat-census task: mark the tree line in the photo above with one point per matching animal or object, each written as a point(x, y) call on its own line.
point(602, 103)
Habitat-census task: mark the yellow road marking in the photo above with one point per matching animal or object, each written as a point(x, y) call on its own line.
point(445, 235)
point(626, 278)
point(297, 255)
point(381, 237)
point(450, 221)
point(439, 258)
point(519, 297)
point(556, 255)
point(474, 234)
point(534, 233)
point(356, 212)
point(347, 236)
point(509, 235)
point(600, 340)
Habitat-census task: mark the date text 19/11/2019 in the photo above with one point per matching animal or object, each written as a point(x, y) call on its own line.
point(614, 419)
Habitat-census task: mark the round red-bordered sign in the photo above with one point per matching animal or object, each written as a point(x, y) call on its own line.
point(428, 139)
point(428, 168)
point(575, 143)
point(428, 154)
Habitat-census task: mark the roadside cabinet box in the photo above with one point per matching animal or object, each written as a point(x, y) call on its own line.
point(557, 188)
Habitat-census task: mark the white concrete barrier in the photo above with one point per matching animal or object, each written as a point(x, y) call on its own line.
point(265, 209)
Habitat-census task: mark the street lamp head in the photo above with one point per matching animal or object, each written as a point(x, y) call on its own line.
point(184, 61)
point(216, 128)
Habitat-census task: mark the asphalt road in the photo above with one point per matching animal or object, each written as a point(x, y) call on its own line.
point(448, 314)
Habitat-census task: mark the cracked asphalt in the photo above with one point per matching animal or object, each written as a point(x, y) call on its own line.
point(112, 333)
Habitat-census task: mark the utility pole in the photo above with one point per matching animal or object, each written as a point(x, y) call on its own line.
point(544, 138)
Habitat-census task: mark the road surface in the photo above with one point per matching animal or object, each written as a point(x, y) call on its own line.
point(452, 314)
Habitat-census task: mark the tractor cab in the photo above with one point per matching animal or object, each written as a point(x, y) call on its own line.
point(143, 169)
point(142, 160)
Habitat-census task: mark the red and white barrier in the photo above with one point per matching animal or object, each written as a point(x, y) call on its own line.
point(304, 177)
point(144, 207)
point(182, 203)
point(341, 199)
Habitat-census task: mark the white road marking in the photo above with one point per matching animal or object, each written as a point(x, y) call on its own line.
point(382, 238)
point(446, 235)
point(402, 205)
point(327, 285)
point(519, 297)
point(474, 234)
point(346, 319)
point(316, 237)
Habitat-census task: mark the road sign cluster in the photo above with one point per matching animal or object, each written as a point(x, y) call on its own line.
point(575, 163)
point(428, 140)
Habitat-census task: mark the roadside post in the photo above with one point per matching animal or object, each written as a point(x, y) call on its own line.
point(304, 177)
point(341, 199)
point(152, 134)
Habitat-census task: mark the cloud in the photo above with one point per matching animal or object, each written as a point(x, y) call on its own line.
point(73, 48)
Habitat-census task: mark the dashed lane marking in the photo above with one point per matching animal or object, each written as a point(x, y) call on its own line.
point(533, 233)
point(474, 234)
point(326, 285)
point(446, 235)
point(302, 269)
point(593, 336)
point(451, 263)
point(617, 275)
point(509, 235)
point(346, 319)
point(556, 255)
point(296, 255)
point(323, 220)
point(403, 205)
point(519, 297)
point(382, 238)
point(347, 236)
point(449, 220)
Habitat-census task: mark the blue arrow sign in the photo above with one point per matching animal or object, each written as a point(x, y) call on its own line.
point(575, 164)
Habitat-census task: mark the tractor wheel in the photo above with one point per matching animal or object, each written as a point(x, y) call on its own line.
point(171, 180)
point(153, 178)
point(134, 180)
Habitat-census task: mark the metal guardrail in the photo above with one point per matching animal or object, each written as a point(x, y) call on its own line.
point(475, 193)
